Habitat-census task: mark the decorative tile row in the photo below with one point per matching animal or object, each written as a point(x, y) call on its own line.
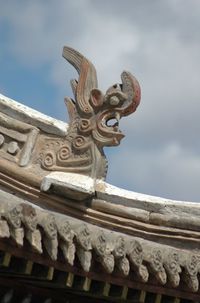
point(114, 251)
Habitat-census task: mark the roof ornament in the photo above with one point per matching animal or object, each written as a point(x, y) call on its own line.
point(91, 115)
point(50, 153)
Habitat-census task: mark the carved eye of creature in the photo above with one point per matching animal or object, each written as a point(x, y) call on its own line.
point(117, 86)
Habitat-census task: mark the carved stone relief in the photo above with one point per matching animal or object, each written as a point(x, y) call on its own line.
point(17, 140)
point(81, 151)
point(94, 123)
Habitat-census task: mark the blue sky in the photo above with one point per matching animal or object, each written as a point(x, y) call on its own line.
point(158, 41)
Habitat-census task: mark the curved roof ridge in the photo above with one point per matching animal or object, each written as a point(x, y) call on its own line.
point(26, 114)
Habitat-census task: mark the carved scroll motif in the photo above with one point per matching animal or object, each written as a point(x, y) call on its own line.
point(172, 266)
point(156, 266)
point(136, 256)
point(192, 268)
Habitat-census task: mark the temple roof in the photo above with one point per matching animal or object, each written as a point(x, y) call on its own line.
point(57, 211)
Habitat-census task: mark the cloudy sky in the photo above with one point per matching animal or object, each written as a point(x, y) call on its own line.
point(158, 41)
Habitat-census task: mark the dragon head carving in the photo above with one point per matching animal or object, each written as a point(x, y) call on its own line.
point(98, 114)
point(94, 121)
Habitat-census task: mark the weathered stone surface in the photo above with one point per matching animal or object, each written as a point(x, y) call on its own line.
point(123, 266)
point(85, 258)
point(13, 147)
point(4, 229)
point(69, 184)
point(17, 140)
point(35, 240)
point(28, 115)
point(2, 139)
point(173, 268)
point(68, 250)
point(146, 208)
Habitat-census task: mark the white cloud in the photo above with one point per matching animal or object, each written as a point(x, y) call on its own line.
point(169, 171)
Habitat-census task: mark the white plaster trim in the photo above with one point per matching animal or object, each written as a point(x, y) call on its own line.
point(124, 197)
point(31, 116)
point(68, 184)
